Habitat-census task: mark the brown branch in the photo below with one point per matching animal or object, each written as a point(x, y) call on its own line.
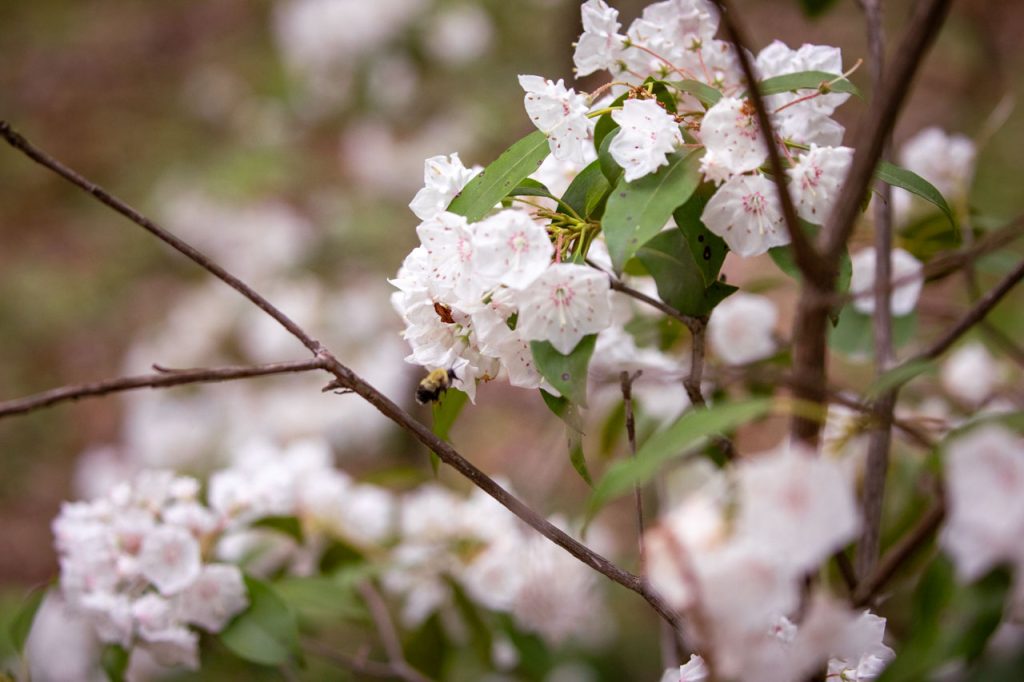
point(804, 253)
point(349, 380)
point(617, 284)
point(39, 156)
point(162, 380)
point(880, 439)
point(626, 383)
point(925, 24)
point(388, 634)
point(355, 664)
point(696, 374)
point(899, 553)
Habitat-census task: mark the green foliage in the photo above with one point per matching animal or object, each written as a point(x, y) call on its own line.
point(673, 442)
point(707, 95)
point(708, 249)
point(816, 8)
point(638, 210)
point(445, 412)
point(588, 192)
point(567, 373)
point(854, 335)
point(288, 525)
point(679, 276)
point(320, 599)
point(495, 182)
point(114, 661)
point(807, 80)
point(21, 625)
point(606, 125)
point(915, 184)
point(611, 170)
point(899, 375)
point(929, 235)
point(267, 632)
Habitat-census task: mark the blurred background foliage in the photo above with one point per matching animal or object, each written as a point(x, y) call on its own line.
point(155, 100)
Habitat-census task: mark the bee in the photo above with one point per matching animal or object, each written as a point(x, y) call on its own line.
point(434, 385)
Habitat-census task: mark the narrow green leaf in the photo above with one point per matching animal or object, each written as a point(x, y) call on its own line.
point(265, 633)
point(567, 373)
point(114, 661)
point(289, 525)
point(577, 458)
point(674, 441)
point(587, 191)
point(445, 412)
point(612, 171)
point(707, 95)
point(899, 375)
point(320, 599)
point(915, 184)
point(528, 187)
point(502, 176)
point(636, 211)
point(807, 80)
point(21, 625)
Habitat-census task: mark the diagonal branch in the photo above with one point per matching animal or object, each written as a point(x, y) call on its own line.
point(349, 380)
point(163, 379)
point(388, 634)
point(804, 253)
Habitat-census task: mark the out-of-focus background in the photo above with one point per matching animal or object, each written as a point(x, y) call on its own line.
point(286, 138)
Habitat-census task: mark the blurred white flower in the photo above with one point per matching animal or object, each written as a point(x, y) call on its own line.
point(169, 558)
point(214, 598)
point(600, 45)
point(907, 280)
point(459, 34)
point(945, 160)
point(742, 328)
point(970, 374)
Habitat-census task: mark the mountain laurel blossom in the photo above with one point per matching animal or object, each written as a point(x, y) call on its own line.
point(560, 113)
point(907, 280)
point(647, 135)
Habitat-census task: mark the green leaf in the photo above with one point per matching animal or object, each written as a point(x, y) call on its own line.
point(528, 187)
point(930, 235)
point(114, 661)
point(678, 276)
point(567, 373)
point(638, 210)
point(707, 95)
point(289, 525)
point(807, 80)
point(815, 8)
point(709, 250)
point(853, 334)
point(899, 375)
point(578, 459)
point(21, 624)
point(445, 412)
point(321, 599)
point(267, 632)
point(587, 191)
point(673, 442)
point(612, 171)
point(606, 124)
point(502, 176)
point(915, 184)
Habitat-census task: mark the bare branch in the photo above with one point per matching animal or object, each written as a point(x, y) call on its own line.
point(388, 634)
point(355, 664)
point(39, 156)
point(349, 380)
point(162, 380)
point(626, 382)
point(804, 253)
point(617, 284)
point(925, 23)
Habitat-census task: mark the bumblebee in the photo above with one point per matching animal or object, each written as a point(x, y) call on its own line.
point(434, 385)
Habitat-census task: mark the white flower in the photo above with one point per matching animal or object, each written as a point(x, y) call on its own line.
point(732, 138)
point(443, 178)
point(946, 161)
point(451, 251)
point(741, 330)
point(745, 212)
point(600, 45)
point(647, 135)
point(985, 488)
point(216, 596)
point(560, 113)
point(152, 613)
point(815, 181)
point(673, 30)
point(110, 615)
point(869, 659)
point(511, 248)
point(970, 374)
point(907, 280)
point(563, 305)
point(694, 670)
point(173, 646)
point(169, 559)
point(778, 59)
point(796, 507)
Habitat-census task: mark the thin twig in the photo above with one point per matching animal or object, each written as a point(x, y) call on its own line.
point(356, 664)
point(626, 383)
point(804, 253)
point(880, 439)
point(899, 553)
point(388, 634)
point(349, 380)
point(162, 380)
point(696, 374)
point(617, 284)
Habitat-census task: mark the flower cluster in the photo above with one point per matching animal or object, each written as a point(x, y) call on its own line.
point(136, 564)
point(729, 558)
